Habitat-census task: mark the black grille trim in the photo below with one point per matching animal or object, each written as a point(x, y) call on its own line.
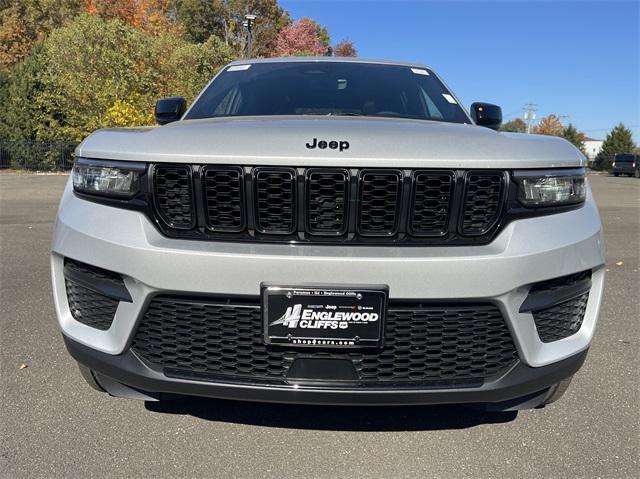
point(318, 193)
point(224, 198)
point(275, 200)
point(173, 195)
point(432, 196)
point(425, 344)
point(379, 201)
point(388, 215)
point(482, 203)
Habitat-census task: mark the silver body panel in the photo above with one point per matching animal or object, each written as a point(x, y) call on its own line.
point(524, 252)
point(374, 142)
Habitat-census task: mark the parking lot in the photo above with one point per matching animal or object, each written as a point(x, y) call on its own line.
point(53, 425)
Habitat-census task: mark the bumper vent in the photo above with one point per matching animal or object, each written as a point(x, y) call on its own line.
point(217, 339)
point(562, 320)
point(558, 305)
point(173, 194)
point(87, 302)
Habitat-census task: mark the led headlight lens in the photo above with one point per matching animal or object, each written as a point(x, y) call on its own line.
point(120, 179)
point(551, 188)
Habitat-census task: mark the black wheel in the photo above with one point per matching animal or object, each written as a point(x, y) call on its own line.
point(616, 174)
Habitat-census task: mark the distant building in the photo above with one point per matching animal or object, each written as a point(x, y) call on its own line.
point(592, 147)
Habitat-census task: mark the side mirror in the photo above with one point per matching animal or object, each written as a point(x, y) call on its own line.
point(486, 114)
point(170, 109)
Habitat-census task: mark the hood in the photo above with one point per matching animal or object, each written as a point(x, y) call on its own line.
point(372, 142)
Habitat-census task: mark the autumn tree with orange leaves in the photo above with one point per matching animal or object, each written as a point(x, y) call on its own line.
point(149, 16)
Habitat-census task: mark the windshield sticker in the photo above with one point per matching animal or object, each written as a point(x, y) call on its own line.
point(420, 71)
point(449, 98)
point(237, 68)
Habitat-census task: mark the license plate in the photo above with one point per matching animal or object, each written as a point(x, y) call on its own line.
point(346, 317)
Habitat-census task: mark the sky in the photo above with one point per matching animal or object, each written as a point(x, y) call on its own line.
point(578, 59)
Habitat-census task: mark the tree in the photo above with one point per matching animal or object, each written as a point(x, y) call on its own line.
point(300, 39)
point(200, 18)
point(516, 125)
point(619, 140)
point(345, 48)
point(549, 125)
point(113, 78)
point(25, 22)
point(572, 135)
point(150, 16)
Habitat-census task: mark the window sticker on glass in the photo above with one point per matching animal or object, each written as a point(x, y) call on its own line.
point(449, 98)
point(420, 71)
point(342, 83)
point(238, 68)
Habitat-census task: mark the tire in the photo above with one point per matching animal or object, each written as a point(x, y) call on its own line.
point(616, 174)
point(556, 391)
point(89, 377)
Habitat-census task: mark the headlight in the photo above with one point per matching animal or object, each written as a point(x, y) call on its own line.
point(551, 187)
point(119, 179)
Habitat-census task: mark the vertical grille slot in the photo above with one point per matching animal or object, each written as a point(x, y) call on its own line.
point(174, 195)
point(327, 200)
point(275, 192)
point(224, 198)
point(379, 203)
point(431, 196)
point(482, 202)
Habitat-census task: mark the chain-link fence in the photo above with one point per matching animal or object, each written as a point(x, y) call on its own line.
point(37, 155)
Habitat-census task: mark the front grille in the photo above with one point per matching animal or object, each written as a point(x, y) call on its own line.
point(224, 198)
point(379, 202)
point(431, 203)
point(482, 202)
point(329, 205)
point(275, 201)
point(327, 201)
point(561, 320)
point(173, 193)
point(86, 305)
point(424, 344)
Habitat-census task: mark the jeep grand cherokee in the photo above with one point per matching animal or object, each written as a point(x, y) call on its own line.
point(328, 230)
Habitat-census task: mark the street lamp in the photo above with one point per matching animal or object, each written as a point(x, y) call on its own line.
point(248, 23)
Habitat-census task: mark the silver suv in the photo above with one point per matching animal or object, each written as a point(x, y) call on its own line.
point(328, 230)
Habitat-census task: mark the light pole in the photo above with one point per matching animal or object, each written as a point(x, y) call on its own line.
point(248, 23)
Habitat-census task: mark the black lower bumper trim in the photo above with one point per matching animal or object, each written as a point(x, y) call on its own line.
point(518, 382)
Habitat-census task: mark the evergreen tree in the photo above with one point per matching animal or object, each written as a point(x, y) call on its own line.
point(619, 140)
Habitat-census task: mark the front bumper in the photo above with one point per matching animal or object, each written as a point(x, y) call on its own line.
point(525, 252)
point(128, 376)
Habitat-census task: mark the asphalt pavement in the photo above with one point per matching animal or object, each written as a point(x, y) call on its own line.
point(53, 425)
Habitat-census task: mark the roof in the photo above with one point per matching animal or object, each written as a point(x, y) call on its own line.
point(586, 138)
point(327, 60)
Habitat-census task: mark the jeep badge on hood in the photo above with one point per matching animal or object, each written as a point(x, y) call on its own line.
point(333, 144)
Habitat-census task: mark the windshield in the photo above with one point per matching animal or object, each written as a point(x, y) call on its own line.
point(622, 157)
point(328, 88)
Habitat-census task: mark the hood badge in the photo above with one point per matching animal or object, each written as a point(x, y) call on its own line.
point(332, 144)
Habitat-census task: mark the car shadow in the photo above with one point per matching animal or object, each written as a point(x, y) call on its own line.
point(332, 418)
